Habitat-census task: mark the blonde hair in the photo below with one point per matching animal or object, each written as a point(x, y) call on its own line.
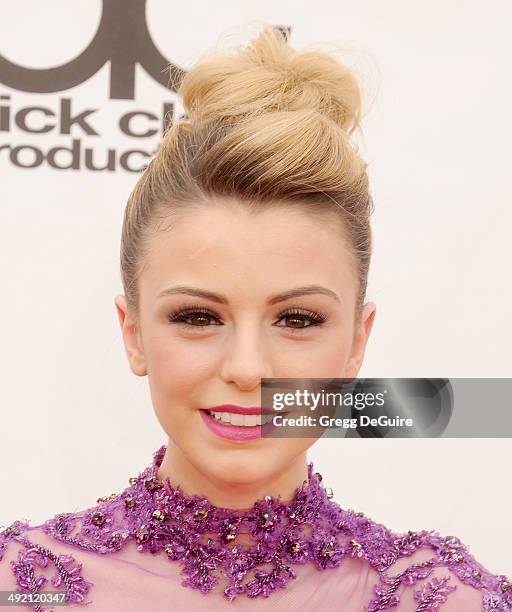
point(267, 125)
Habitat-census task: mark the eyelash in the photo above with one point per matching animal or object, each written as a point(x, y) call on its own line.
point(180, 315)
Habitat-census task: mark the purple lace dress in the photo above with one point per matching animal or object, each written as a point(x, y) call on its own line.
point(154, 548)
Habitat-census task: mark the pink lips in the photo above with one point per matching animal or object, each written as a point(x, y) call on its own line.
point(236, 432)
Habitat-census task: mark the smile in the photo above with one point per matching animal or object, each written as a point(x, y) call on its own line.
point(241, 420)
point(236, 426)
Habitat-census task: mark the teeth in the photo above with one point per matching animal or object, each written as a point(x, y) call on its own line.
point(242, 420)
point(237, 419)
point(224, 417)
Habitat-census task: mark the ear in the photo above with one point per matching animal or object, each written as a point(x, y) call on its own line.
point(131, 337)
point(361, 335)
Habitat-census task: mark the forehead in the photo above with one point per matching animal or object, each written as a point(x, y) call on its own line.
point(227, 247)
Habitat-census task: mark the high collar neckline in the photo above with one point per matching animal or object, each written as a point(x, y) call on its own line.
point(162, 486)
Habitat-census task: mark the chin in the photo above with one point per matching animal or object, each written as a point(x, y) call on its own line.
point(240, 466)
point(246, 466)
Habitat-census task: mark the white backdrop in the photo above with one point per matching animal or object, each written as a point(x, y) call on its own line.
point(75, 422)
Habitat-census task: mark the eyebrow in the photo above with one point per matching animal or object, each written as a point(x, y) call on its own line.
point(220, 299)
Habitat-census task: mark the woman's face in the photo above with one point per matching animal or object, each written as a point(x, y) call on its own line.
point(218, 350)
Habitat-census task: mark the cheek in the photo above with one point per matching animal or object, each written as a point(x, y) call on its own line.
point(176, 366)
point(324, 359)
point(333, 358)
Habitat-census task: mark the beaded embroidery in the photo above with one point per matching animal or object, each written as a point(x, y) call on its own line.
point(202, 537)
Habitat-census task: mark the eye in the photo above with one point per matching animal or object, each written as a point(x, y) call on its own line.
point(194, 317)
point(301, 319)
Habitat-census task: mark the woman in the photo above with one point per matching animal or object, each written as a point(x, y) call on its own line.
point(245, 253)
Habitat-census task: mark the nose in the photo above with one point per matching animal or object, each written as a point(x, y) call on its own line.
point(246, 359)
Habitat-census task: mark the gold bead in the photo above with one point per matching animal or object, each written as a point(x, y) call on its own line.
point(132, 480)
point(142, 534)
point(129, 501)
point(150, 483)
point(328, 550)
point(452, 541)
point(329, 493)
point(160, 516)
point(230, 537)
point(201, 514)
point(97, 519)
point(268, 520)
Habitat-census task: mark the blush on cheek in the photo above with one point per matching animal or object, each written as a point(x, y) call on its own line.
point(178, 371)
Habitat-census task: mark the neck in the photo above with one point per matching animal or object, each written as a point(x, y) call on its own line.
point(234, 495)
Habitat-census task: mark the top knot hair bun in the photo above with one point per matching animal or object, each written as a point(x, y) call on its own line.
point(266, 76)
